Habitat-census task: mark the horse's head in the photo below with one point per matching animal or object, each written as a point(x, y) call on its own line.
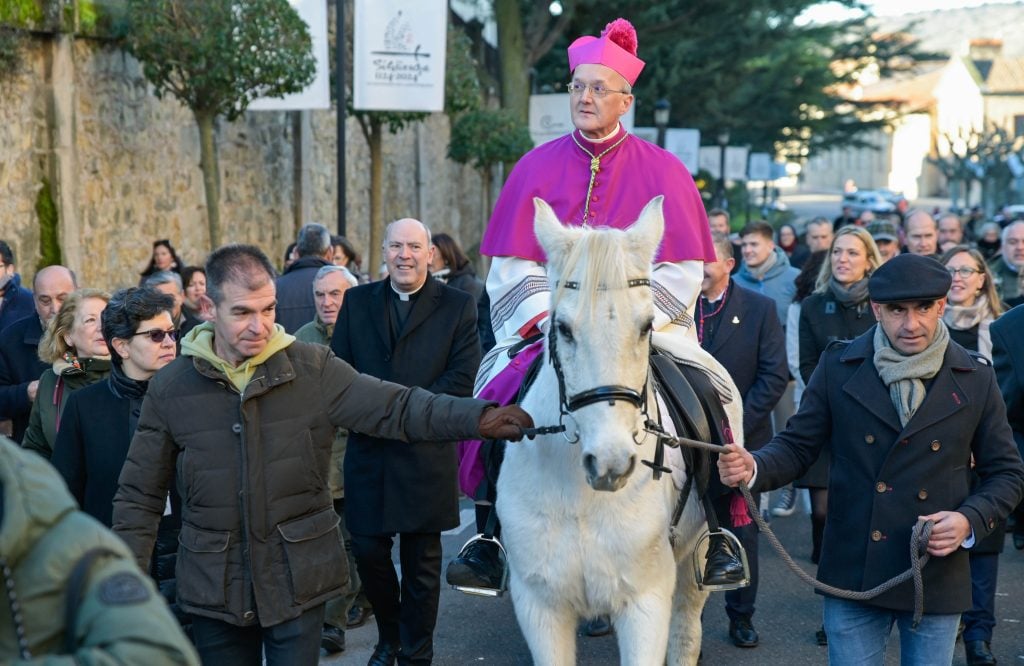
point(602, 311)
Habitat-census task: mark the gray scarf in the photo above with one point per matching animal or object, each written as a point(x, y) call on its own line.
point(854, 295)
point(904, 374)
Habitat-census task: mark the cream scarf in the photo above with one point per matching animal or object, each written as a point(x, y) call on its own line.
point(904, 375)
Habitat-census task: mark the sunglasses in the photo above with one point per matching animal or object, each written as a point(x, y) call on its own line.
point(157, 335)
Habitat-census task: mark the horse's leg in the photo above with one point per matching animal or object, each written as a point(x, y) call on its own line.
point(550, 631)
point(688, 603)
point(642, 628)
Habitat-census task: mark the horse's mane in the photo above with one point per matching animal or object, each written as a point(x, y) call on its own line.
point(599, 259)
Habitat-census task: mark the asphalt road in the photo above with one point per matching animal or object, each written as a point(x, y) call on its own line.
point(474, 630)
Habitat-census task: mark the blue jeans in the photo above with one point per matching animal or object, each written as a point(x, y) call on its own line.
point(857, 634)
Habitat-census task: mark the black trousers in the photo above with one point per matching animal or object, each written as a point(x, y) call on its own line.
point(295, 642)
point(740, 603)
point(406, 612)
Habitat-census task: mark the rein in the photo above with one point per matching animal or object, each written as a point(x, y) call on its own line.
point(918, 541)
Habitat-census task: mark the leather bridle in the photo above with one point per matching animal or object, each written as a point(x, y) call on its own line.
point(610, 393)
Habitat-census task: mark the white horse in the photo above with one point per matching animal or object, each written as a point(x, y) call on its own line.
point(575, 551)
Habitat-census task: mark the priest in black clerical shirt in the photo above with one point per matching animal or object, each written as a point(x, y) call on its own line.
point(416, 331)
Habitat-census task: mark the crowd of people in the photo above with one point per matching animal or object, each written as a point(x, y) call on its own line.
point(257, 440)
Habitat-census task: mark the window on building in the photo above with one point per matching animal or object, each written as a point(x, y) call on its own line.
point(1018, 125)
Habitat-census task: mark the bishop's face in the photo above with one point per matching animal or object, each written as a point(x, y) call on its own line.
point(597, 114)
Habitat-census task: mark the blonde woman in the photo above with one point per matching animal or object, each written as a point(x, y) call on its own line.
point(972, 303)
point(837, 310)
point(74, 346)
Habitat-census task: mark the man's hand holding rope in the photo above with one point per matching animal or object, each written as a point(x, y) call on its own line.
point(735, 466)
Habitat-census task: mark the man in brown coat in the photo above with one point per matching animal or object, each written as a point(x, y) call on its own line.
point(244, 421)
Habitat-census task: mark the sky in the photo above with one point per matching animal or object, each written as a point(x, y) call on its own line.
point(832, 11)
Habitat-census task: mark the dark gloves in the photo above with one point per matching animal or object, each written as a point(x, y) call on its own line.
point(504, 423)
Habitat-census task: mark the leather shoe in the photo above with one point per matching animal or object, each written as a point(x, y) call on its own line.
point(332, 639)
point(723, 567)
point(478, 565)
point(384, 654)
point(1018, 540)
point(742, 633)
point(598, 626)
point(979, 653)
point(358, 616)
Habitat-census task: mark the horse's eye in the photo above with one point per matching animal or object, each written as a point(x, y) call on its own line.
point(565, 331)
point(647, 328)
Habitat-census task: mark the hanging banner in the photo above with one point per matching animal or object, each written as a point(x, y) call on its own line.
point(399, 55)
point(317, 95)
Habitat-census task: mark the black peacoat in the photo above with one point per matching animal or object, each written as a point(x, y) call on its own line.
point(748, 340)
point(883, 476)
point(1008, 359)
point(391, 486)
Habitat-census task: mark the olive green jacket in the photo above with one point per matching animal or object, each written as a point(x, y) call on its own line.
point(121, 618)
point(55, 385)
point(319, 333)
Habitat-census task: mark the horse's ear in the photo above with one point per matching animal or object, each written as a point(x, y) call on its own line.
point(552, 236)
point(645, 234)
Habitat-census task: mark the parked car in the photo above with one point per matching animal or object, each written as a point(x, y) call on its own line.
point(877, 201)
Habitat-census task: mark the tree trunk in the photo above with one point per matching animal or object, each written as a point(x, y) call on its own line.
point(211, 175)
point(375, 140)
point(515, 74)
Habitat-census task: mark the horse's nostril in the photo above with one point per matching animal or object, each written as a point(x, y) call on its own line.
point(590, 464)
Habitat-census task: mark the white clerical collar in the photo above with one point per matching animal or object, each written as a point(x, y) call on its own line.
point(603, 138)
point(717, 298)
point(405, 295)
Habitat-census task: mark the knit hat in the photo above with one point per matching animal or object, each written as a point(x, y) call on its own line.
point(615, 49)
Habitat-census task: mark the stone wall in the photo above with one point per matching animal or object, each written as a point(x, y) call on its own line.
point(125, 168)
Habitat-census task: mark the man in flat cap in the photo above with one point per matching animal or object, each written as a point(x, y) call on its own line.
point(907, 412)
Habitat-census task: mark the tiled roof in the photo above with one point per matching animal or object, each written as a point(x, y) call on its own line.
point(1006, 76)
point(913, 93)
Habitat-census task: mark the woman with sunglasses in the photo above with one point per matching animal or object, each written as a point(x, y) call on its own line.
point(74, 346)
point(99, 421)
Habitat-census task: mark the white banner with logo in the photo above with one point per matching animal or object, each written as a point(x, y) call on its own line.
point(317, 95)
point(399, 58)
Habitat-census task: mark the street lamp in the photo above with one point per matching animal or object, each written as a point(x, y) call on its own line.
point(723, 141)
point(662, 109)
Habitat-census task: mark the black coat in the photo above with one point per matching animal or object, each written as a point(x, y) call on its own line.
point(391, 486)
point(295, 305)
point(19, 366)
point(748, 340)
point(1008, 360)
point(883, 476)
point(89, 452)
point(17, 303)
point(823, 320)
